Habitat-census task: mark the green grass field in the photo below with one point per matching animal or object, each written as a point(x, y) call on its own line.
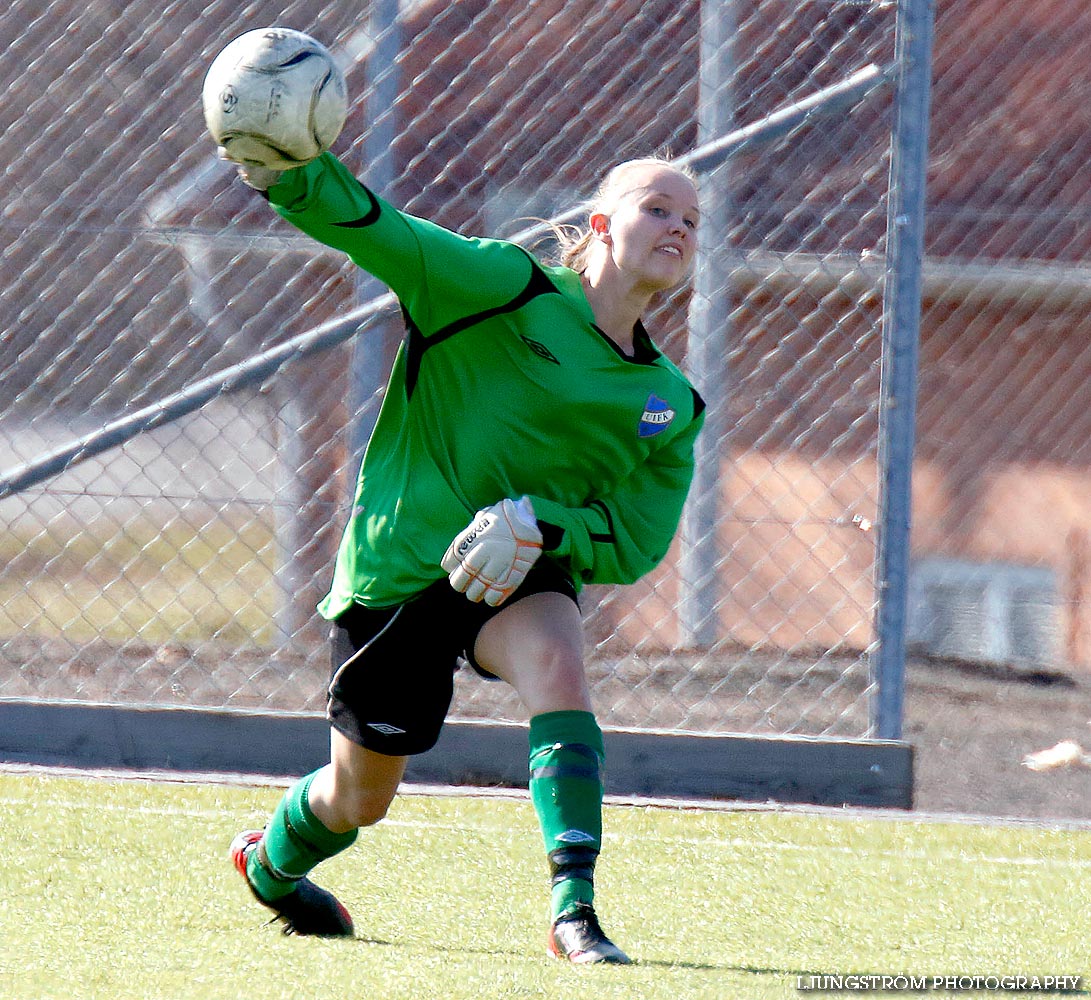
point(121, 889)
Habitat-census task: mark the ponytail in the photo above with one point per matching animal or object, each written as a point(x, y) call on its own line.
point(574, 245)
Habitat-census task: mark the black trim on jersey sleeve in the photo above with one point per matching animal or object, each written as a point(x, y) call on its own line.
point(414, 351)
point(552, 535)
point(538, 284)
point(369, 218)
point(608, 536)
point(698, 403)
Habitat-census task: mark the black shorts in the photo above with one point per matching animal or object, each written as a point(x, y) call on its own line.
point(392, 669)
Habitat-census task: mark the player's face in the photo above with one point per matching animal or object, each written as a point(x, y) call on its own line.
point(653, 229)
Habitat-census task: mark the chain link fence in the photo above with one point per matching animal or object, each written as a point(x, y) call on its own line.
point(1000, 481)
point(181, 566)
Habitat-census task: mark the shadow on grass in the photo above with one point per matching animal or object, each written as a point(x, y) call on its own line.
point(749, 970)
point(645, 963)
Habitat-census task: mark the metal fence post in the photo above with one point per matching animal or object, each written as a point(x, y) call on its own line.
point(709, 320)
point(901, 341)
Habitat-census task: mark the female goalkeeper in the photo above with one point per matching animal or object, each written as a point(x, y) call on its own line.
point(532, 439)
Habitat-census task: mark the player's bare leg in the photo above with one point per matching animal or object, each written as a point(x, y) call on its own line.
point(356, 788)
point(536, 645)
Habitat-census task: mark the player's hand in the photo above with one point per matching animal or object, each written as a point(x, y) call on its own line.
point(254, 174)
point(493, 554)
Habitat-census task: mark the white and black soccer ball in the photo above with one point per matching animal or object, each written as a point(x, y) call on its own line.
point(274, 97)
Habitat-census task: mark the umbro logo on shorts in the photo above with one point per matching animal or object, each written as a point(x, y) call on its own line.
point(385, 728)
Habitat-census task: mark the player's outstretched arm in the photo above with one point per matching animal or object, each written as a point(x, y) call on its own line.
point(439, 276)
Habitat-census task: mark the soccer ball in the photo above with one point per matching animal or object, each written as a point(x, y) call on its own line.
point(274, 97)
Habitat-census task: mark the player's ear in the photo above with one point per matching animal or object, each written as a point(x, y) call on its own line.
point(600, 225)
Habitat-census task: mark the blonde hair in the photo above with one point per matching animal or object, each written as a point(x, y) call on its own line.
point(574, 242)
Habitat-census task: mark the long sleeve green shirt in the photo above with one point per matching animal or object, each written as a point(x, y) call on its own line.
point(503, 386)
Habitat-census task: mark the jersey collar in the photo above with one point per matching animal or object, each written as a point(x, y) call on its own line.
point(644, 350)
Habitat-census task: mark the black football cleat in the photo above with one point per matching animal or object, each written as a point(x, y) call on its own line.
point(577, 937)
point(307, 909)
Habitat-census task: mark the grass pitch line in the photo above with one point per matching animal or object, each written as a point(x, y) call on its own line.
point(117, 807)
point(507, 833)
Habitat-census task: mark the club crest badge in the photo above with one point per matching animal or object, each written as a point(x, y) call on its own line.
point(656, 417)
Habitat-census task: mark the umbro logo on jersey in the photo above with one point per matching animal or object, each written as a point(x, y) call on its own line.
point(540, 349)
point(656, 417)
point(385, 728)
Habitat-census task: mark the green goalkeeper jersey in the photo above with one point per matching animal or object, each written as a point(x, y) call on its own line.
point(503, 386)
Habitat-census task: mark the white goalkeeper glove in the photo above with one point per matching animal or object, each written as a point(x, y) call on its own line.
point(253, 174)
point(494, 553)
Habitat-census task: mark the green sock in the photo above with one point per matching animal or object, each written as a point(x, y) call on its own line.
point(566, 754)
point(293, 843)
